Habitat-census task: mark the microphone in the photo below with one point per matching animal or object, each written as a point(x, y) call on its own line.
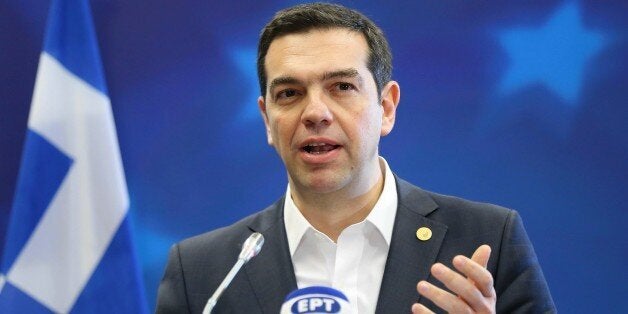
point(250, 249)
point(316, 299)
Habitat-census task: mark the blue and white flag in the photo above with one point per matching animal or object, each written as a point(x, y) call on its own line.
point(69, 245)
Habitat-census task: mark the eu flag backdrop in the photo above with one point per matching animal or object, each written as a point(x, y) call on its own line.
point(518, 103)
point(68, 246)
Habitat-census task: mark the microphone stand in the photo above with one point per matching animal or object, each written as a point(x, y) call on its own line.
point(250, 248)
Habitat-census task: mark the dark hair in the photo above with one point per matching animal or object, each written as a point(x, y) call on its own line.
point(305, 17)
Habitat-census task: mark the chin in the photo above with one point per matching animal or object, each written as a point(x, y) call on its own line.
point(323, 184)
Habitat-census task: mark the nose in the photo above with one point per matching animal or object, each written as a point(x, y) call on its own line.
point(316, 113)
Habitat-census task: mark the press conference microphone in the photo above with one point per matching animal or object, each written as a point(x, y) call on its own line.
point(250, 248)
point(316, 299)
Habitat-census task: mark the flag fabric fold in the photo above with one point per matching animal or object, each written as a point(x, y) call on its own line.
point(68, 245)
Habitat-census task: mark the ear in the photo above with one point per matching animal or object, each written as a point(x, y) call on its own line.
point(389, 100)
point(262, 109)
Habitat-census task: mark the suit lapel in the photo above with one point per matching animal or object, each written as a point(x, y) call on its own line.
point(271, 273)
point(409, 259)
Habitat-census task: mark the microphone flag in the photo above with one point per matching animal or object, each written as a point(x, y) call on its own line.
point(316, 299)
point(68, 244)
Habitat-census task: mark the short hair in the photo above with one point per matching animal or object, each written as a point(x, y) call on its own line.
point(305, 17)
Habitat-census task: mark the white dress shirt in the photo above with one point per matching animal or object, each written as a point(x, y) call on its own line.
point(353, 265)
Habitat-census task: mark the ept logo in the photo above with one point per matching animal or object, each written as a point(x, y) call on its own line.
point(316, 299)
point(315, 305)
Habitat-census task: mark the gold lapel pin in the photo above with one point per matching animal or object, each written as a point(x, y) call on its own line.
point(423, 233)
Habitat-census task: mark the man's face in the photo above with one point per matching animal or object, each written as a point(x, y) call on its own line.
point(322, 111)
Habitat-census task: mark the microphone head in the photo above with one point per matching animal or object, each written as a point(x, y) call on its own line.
point(316, 299)
point(251, 246)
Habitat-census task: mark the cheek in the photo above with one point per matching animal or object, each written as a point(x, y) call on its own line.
point(368, 124)
point(280, 131)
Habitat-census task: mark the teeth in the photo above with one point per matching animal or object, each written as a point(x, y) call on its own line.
point(319, 148)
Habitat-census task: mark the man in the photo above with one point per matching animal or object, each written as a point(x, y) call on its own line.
point(346, 221)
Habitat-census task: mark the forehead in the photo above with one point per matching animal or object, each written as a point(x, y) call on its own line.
point(316, 51)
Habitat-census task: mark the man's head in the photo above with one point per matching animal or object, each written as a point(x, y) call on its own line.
point(306, 17)
point(323, 110)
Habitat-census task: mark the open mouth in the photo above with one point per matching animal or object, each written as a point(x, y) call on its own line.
point(319, 148)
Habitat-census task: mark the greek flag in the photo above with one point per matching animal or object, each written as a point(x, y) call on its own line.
point(69, 247)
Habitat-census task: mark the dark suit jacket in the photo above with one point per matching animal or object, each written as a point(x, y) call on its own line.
point(196, 266)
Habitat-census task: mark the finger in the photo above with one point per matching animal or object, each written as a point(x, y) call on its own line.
point(477, 274)
point(418, 308)
point(443, 299)
point(461, 286)
point(481, 255)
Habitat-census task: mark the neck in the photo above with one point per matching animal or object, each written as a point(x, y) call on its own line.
point(331, 213)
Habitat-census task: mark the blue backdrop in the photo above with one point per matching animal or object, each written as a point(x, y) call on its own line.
point(519, 104)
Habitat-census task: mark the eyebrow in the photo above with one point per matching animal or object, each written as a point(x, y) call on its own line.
point(283, 80)
point(347, 73)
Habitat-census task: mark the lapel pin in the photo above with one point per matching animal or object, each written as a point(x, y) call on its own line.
point(424, 233)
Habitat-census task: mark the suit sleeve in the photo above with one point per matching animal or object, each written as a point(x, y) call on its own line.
point(171, 296)
point(519, 281)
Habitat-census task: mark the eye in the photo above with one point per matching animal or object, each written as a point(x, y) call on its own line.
point(343, 86)
point(286, 93)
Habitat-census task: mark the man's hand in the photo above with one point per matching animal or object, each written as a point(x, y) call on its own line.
point(473, 294)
